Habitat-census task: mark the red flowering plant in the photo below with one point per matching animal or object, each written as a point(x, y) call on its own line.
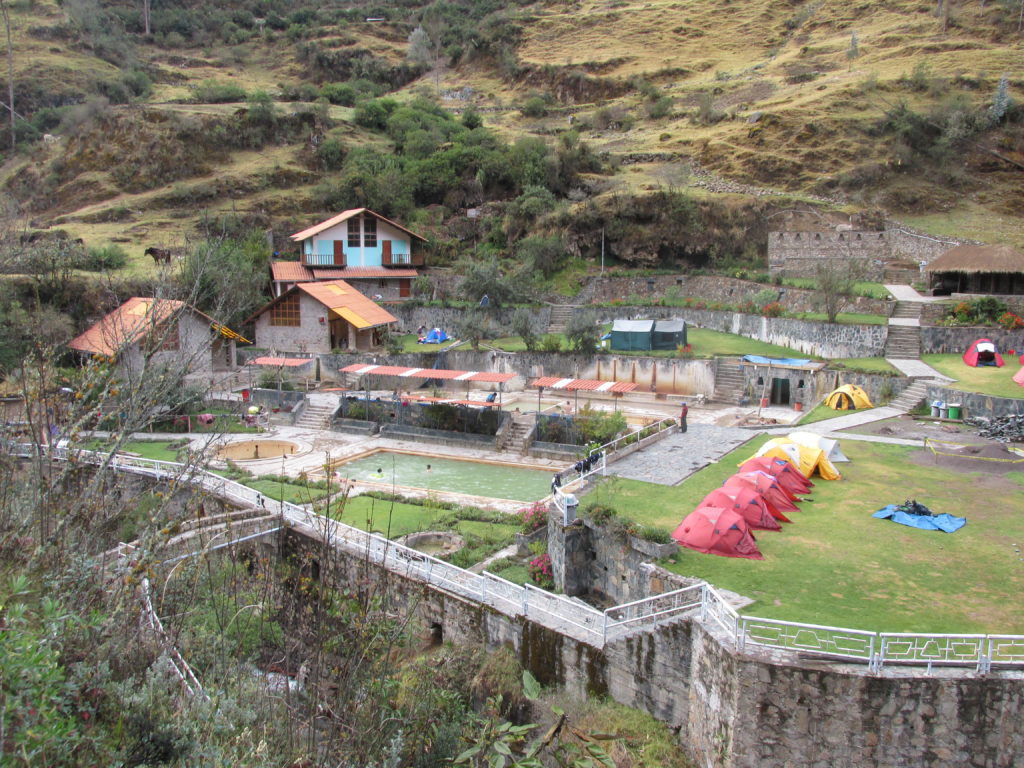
point(1011, 322)
point(773, 309)
point(541, 573)
point(533, 517)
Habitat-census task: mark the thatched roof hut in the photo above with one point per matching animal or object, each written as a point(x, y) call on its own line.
point(986, 269)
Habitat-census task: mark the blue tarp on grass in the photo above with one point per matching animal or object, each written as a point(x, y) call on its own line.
point(793, 361)
point(944, 522)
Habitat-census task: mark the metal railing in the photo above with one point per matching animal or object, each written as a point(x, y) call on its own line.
point(571, 617)
point(633, 438)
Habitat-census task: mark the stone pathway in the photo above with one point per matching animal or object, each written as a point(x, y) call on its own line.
point(671, 460)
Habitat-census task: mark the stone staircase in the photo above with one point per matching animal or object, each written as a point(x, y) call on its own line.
point(316, 416)
point(903, 342)
point(909, 310)
point(729, 381)
point(910, 397)
point(520, 433)
point(560, 316)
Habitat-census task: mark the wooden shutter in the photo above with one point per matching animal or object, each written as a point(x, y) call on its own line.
point(385, 253)
point(404, 288)
point(339, 254)
point(417, 256)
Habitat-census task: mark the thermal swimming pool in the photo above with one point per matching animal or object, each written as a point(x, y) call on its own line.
point(477, 478)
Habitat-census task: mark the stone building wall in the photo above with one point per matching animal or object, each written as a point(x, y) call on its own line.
point(797, 254)
point(941, 339)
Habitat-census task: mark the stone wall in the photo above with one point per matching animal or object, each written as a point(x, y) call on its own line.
point(797, 254)
point(810, 387)
point(730, 710)
point(975, 404)
point(957, 339)
point(726, 290)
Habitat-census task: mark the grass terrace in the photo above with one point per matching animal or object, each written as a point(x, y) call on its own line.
point(987, 380)
point(837, 565)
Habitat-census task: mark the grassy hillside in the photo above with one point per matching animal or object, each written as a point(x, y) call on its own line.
point(749, 108)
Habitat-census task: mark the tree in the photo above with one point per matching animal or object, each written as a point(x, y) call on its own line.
point(10, 70)
point(225, 276)
point(1001, 99)
point(541, 257)
point(522, 326)
point(835, 282)
point(419, 47)
point(483, 276)
point(854, 50)
point(582, 332)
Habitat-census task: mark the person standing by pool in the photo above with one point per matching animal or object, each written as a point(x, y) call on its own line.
point(682, 417)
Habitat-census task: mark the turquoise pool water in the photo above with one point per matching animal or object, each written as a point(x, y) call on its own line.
point(496, 481)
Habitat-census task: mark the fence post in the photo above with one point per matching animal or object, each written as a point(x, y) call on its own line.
point(704, 603)
point(604, 629)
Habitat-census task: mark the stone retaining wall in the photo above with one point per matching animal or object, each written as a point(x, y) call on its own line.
point(941, 339)
point(975, 404)
point(729, 710)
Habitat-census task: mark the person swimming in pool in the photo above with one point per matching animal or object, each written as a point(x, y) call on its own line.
point(379, 473)
point(428, 467)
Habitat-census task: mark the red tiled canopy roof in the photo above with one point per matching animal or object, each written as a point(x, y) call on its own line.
point(583, 385)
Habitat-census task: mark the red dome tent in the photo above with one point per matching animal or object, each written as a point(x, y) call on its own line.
point(785, 474)
point(777, 500)
point(983, 352)
point(745, 501)
point(717, 531)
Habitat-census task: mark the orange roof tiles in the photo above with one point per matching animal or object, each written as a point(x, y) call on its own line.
point(293, 271)
point(127, 324)
point(286, 362)
point(344, 216)
point(583, 385)
point(428, 373)
point(354, 273)
point(340, 297)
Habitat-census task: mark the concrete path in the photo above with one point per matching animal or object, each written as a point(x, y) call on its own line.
point(916, 369)
point(908, 293)
point(671, 460)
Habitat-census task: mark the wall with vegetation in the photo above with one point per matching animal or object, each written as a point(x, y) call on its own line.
point(729, 709)
point(940, 339)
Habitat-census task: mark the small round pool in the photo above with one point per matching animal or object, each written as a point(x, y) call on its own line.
point(434, 543)
point(248, 450)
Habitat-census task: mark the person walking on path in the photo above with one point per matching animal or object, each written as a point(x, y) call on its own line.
point(682, 417)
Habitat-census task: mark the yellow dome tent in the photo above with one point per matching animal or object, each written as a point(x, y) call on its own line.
point(805, 458)
point(848, 397)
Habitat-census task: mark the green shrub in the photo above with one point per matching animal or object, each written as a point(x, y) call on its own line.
point(534, 107)
point(215, 92)
point(105, 258)
point(550, 343)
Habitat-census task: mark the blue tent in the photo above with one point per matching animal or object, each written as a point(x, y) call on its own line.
point(436, 336)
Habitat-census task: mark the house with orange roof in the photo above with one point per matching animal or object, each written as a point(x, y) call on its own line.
point(147, 334)
point(317, 317)
point(375, 255)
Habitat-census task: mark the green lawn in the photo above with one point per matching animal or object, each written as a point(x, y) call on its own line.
point(985, 379)
point(837, 565)
point(394, 518)
point(708, 343)
point(159, 450)
point(294, 493)
point(863, 364)
point(861, 288)
point(822, 412)
point(844, 318)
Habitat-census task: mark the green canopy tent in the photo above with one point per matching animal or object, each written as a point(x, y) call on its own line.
point(631, 335)
point(669, 334)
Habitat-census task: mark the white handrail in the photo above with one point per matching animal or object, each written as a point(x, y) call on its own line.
point(561, 613)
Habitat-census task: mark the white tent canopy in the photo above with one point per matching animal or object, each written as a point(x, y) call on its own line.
point(811, 440)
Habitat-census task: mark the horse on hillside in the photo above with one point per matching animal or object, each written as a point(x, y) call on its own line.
point(159, 254)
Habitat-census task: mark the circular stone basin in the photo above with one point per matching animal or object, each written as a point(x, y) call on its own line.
point(434, 543)
point(247, 450)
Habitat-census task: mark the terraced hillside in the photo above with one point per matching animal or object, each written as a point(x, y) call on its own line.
point(885, 108)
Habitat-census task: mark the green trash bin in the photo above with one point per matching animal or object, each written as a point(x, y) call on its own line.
point(954, 410)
